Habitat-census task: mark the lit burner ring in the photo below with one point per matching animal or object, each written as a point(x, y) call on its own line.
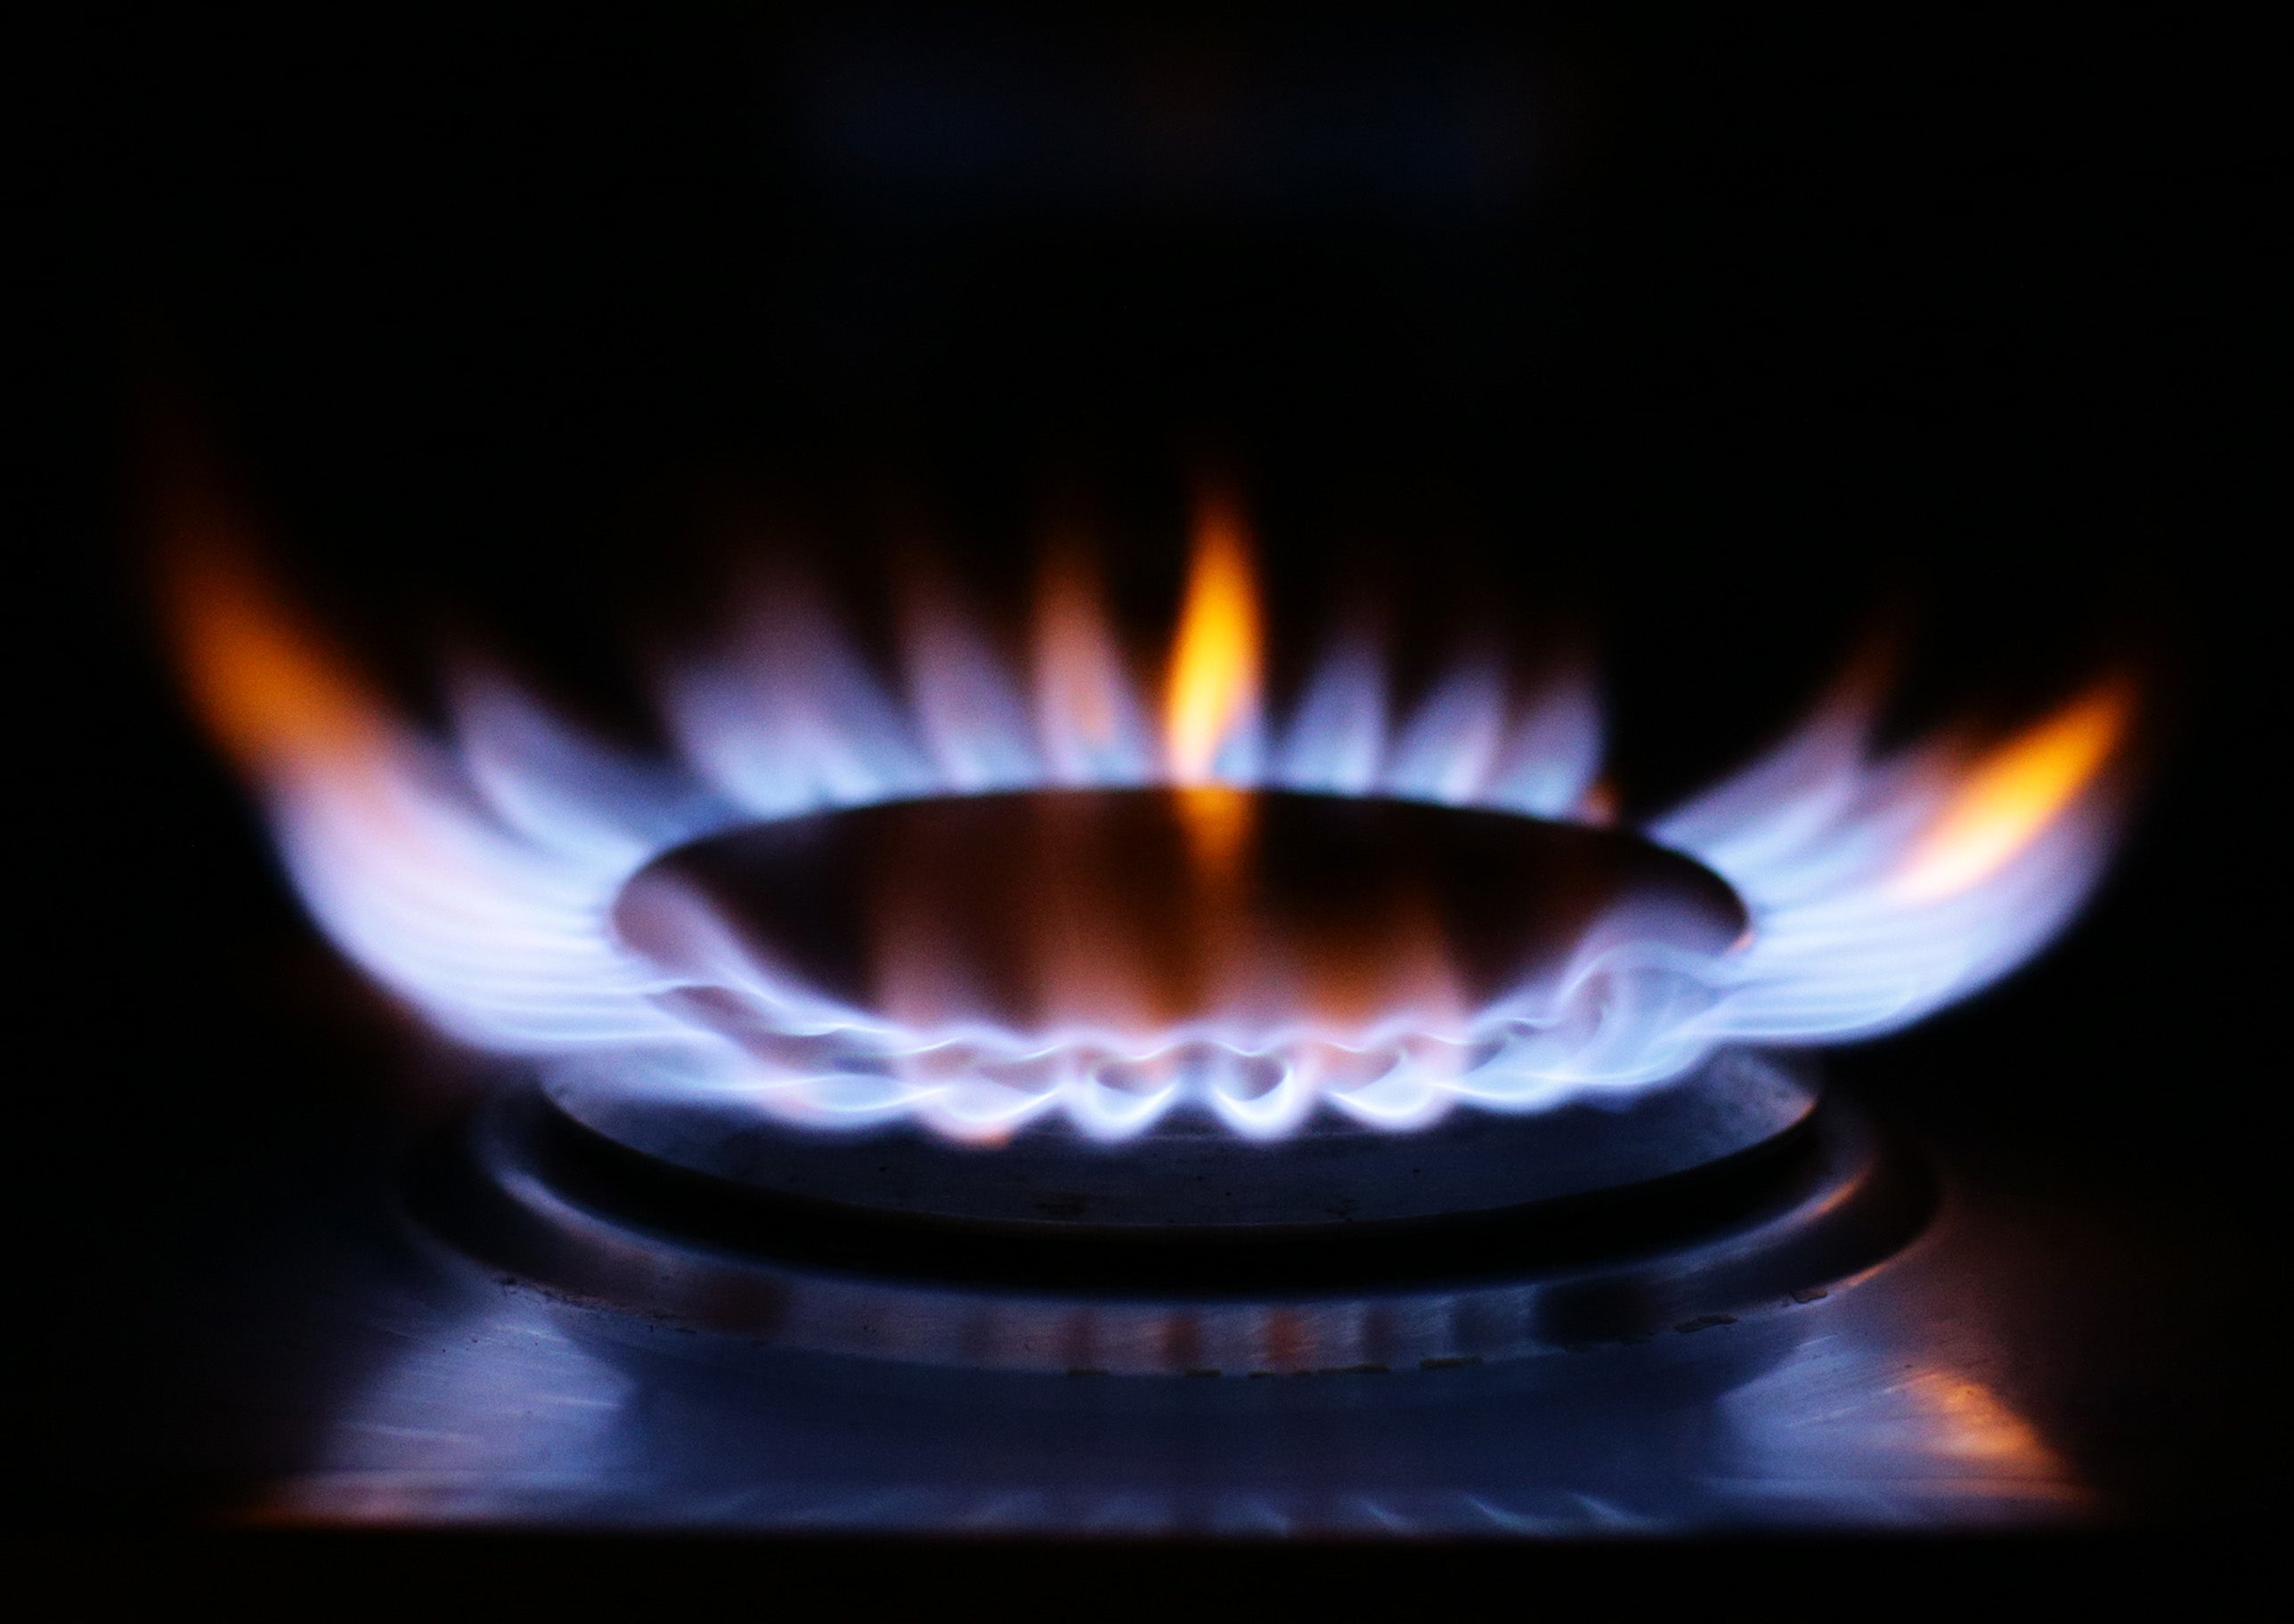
point(1113, 957)
point(974, 952)
point(1202, 955)
point(1190, 1178)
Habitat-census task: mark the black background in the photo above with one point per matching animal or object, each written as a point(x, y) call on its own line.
point(1727, 339)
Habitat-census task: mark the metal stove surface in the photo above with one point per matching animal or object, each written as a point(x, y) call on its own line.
point(369, 1375)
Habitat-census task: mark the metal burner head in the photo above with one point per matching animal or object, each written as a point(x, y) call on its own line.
point(1139, 950)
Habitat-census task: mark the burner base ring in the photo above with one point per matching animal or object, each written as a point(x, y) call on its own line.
point(547, 1208)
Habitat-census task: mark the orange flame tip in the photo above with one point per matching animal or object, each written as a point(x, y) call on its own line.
point(267, 684)
point(2016, 791)
point(1215, 662)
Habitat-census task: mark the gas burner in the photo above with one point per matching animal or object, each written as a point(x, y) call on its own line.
point(1014, 1028)
point(1487, 1241)
point(899, 1047)
point(1002, 902)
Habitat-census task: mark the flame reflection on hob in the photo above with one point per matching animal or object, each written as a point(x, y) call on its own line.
point(475, 874)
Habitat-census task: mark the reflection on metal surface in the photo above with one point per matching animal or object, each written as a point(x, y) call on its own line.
point(1861, 1430)
point(1739, 1376)
point(1850, 1409)
point(535, 1196)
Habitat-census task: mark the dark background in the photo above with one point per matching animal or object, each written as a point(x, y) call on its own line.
point(1727, 339)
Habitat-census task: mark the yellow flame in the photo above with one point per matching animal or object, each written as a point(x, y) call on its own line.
point(2012, 796)
point(269, 687)
point(1214, 663)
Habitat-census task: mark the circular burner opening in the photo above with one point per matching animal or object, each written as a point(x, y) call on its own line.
point(1131, 915)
